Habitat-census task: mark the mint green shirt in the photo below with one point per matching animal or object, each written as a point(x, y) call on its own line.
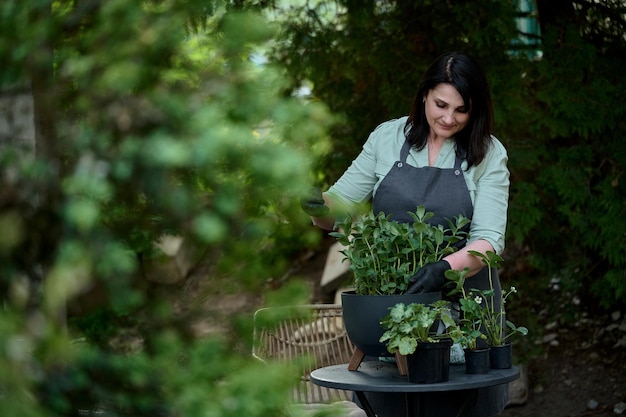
point(488, 182)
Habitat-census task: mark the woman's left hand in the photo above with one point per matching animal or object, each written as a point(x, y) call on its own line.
point(430, 278)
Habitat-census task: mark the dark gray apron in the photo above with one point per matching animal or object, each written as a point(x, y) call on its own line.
point(443, 192)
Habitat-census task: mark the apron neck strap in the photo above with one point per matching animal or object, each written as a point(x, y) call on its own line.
point(460, 156)
point(404, 153)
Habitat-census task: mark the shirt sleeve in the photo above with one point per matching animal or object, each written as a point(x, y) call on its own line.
point(358, 182)
point(491, 197)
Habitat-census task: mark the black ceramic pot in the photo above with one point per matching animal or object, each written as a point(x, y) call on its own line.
point(430, 363)
point(501, 357)
point(362, 315)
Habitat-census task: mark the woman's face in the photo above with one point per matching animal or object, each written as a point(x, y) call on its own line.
point(445, 111)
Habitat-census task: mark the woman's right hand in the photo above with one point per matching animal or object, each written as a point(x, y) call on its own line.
point(313, 203)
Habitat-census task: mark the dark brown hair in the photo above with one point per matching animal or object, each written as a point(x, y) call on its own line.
point(463, 73)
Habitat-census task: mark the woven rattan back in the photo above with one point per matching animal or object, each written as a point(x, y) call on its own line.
point(314, 331)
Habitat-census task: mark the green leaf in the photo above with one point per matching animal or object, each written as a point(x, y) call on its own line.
point(407, 345)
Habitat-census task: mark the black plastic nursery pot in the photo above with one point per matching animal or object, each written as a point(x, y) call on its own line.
point(501, 357)
point(430, 363)
point(477, 361)
point(362, 315)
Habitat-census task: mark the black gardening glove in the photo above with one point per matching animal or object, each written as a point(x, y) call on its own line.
point(430, 278)
point(313, 204)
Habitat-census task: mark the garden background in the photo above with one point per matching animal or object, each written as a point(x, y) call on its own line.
point(206, 120)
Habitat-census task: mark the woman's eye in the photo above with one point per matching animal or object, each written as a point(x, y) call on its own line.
point(441, 105)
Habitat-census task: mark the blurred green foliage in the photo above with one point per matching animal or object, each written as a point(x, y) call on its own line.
point(153, 119)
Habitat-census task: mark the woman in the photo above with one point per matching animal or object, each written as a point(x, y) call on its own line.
point(441, 156)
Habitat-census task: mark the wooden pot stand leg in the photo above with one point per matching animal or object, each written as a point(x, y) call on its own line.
point(358, 356)
point(401, 363)
point(356, 359)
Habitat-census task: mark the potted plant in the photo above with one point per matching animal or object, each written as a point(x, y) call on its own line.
point(424, 334)
point(384, 254)
point(482, 307)
point(471, 326)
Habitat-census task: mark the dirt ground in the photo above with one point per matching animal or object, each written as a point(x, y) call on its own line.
point(578, 378)
point(573, 371)
point(569, 381)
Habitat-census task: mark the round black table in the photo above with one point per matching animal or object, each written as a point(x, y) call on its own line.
point(375, 376)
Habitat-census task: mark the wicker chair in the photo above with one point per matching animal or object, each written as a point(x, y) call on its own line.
point(314, 331)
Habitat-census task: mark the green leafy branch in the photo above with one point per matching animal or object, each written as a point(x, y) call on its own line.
point(384, 253)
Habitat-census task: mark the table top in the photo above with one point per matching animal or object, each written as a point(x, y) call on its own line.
point(375, 376)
